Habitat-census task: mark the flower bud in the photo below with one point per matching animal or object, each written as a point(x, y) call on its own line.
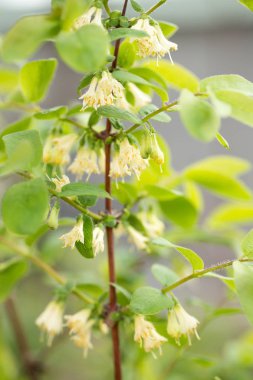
point(53, 219)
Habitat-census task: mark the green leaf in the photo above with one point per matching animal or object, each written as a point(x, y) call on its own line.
point(191, 256)
point(127, 55)
point(85, 49)
point(228, 281)
point(231, 214)
point(161, 193)
point(180, 211)
point(199, 117)
point(80, 188)
point(136, 6)
point(168, 29)
point(227, 82)
point(221, 139)
point(26, 37)
point(248, 4)
point(244, 286)
point(224, 165)
point(241, 105)
point(125, 193)
point(8, 80)
point(85, 81)
point(25, 206)
point(36, 77)
point(10, 272)
point(218, 183)
point(51, 113)
point(164, 275)
point(17, 126)
point(148, 301)
point(86, 248)
point(176, 75)
point(116, 34)
point(149, 74)
point(24, 150)
point(247, 245)
point(73, 9)
point(117, 113)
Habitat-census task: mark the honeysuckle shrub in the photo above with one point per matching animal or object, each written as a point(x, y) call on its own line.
point(62, 163)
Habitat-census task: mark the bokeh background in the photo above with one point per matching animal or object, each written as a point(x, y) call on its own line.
point(214, 37)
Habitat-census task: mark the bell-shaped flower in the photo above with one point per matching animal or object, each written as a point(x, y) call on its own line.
point(92, 16)
point(60, 182)
point(86, 161)
point(139, 240)
point(156, 153)
point(152, 224)
point(80, 329)
point(57, 149)
point(50, 321)
point(98, 240)
point(180, 323)
point(71, 237)
point(140, 98)
point(146, 335)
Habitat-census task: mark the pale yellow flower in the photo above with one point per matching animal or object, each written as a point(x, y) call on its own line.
point(85, 162)
point(156, 45)
point(92, 16)
point(60, 182)
point(98, 240)
point(152, 224)
point(139, 240)
point(147, 336)
point(180, 323)
point(50, 321)
point(80, 327)
point(57, 149)
point(156, 153)
point(103, 91)
point(76, 234)
point(140, 98)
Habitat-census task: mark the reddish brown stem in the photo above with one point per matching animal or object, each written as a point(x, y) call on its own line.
point(110, 237)
point(31, 366)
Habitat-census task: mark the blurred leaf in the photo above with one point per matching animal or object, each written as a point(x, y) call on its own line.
point(36, 77)
point(191, 256)
point(247, 245)
point(25, 206)
point(73, 9)
point(117, 113)
point(223, 142)
point(51, 113)
point(247, 3)
point(241, 105)
point(81, 188)
point(125, 193)
point(199, 117)
point(85, 49)
point(161, 193)
point(230, 82)
point(229, 281)
point(148, 301)
point(116, 34)
point(230, 214)
point(168, 29)
point(244, 286)
point(226, 311)
point(8, 80)
point(17, 126)
point(194, 195)
point(163, 117)
point(26, 36)
point(180, 211)
point(164, 275)
point(149, 74)
point(136, 6)
point(10, 272)
point(177, 76)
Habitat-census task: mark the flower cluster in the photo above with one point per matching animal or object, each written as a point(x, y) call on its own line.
point(50, 321)
point(57, 149)
point(80, 328)
point(92, 16)
point(103, 91)
point(127, 161)
point(152, 224)
point(88, 161)
point(155, 44)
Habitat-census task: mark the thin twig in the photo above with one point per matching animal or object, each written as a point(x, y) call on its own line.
point(157, 5)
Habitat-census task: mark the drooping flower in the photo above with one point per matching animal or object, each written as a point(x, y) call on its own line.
point(140, 98)
point(139, 240)
point(153, 225)
point(103, 91)
point(127, 161)
point(156, 45)
point(57, 149)
point(156, 153)
point(180, 323)
point(98, 240)
point(86, 161)
point(50, 321)
point(79, 326)
point(60, 182)
point(92, 16)
point(76, 234)
point(146, 335)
